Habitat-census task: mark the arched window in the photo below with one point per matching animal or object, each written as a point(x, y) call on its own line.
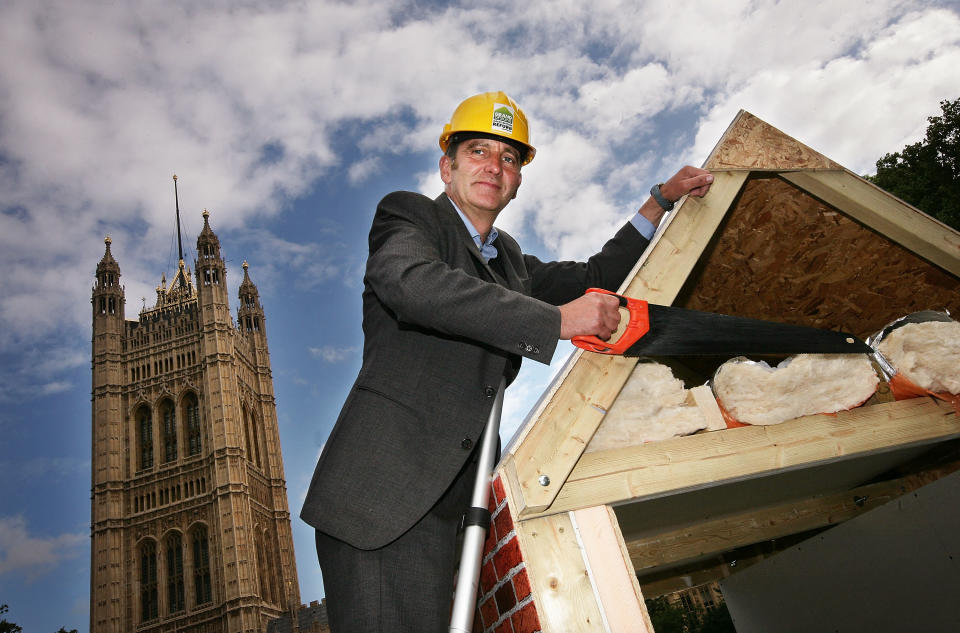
point(175, 599)
point(203, 592)
point(149, 600)
point(273, 572)
point(144, 437)
point(169, 431)
point(263, 574)
point(253, 442)
point(191, 418)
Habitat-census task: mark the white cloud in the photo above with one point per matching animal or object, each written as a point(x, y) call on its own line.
point(855, 108)
point(247, 105)
point(37, 467)
point(33, 556)
point(331, 354)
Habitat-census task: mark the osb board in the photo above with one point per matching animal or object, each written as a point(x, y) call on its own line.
point(783, 255)
point(751, 142)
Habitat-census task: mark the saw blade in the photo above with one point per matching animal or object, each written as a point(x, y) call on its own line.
point(683, 332)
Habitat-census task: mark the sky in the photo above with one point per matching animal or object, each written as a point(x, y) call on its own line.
point(288, 121)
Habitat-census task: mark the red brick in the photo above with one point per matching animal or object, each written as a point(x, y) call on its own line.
point(507, 557)
point(498, 490)
point(488, 578)
point(525, 620)
point(477, 623)
point(505, 627)
point(492, 503)
point(491, 541)
point(503, 523)
point(521, 584)
point(505, 598)
point(488, 613)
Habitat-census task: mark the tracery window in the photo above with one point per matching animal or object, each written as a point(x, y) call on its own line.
point(149, 598)
point(191, 416)
point(253, 440)
point(264, 572)
point(169, 431)
point(201, 567)
point(144, 423)
point(175, 594)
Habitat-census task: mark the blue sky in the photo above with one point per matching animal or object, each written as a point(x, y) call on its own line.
point(290, 120)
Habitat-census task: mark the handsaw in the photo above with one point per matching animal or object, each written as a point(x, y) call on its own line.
point(655, 330)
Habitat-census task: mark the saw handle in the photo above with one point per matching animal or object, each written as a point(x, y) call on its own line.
point(637, 326)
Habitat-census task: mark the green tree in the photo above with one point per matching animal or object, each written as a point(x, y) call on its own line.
point(8, 627)
point(668, 618)
point(63, 630)
point(927, 173)
point(716, 620)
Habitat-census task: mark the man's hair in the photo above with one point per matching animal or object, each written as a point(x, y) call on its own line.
point(460, 137)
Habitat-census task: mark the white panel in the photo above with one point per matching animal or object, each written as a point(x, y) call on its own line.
point(893, 569)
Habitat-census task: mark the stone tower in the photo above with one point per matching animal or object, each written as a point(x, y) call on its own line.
point(190, 521)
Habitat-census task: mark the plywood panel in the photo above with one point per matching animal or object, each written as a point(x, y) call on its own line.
point(885, 214)
point(751, 142)
point(784, 255)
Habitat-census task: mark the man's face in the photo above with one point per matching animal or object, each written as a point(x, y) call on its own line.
point(484, 176)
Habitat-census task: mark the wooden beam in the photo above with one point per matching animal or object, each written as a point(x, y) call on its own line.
point(886, 214)
point(563, 425)
point(709, 459)
point(559, 578)
point(613, 576)
point(713, 570)
point(709, 538)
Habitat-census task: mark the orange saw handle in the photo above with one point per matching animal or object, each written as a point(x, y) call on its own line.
point(637, 326)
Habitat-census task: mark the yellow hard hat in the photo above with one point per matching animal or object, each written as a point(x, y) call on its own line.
point(492, 113)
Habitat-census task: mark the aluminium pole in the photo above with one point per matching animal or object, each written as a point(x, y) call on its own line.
point(476, 522)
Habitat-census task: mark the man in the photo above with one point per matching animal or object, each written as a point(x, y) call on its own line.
point(450, 305)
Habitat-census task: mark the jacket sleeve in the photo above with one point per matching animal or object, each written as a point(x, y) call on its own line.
point(409, 270)
point(560, 282)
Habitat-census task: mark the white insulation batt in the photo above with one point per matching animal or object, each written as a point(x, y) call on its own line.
point(926, 353)
point(653, 405)
point(806, 384)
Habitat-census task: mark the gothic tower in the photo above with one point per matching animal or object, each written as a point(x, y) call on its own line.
point(190, 521)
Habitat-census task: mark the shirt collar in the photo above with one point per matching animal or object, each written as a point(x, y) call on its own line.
point(487, 250)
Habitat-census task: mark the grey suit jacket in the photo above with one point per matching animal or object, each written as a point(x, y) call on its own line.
point(440, 330)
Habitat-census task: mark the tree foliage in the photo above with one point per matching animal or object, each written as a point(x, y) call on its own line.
point(927, 173)
point(674, 618)
point(8, 627)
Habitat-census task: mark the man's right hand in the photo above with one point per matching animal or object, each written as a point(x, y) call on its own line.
point(594, 313)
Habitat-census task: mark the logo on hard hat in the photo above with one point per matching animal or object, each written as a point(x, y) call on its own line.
point(502, 118)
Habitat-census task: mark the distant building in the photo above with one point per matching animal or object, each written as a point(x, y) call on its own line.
point(306, 619)
point(190, 522)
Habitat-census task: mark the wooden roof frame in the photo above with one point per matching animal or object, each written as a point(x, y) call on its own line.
point(544, 463)
point(689, 502)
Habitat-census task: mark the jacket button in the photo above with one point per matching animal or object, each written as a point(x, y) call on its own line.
point(489, 392)
point(466, 443)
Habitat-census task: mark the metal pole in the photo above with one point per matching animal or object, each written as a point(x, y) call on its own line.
point(476, 522)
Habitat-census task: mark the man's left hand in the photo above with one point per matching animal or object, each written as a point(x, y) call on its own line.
point(689, 180)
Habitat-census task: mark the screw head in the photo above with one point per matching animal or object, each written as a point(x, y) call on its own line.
point(544, 480)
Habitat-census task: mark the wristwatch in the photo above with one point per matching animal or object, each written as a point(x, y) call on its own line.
point(655, 192)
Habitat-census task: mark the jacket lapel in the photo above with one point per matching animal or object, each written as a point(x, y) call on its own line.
point(466, 241)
